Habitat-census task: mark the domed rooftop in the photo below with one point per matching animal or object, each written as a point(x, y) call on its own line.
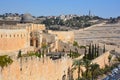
point(27, 18)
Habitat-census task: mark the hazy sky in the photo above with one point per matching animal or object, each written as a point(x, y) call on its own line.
point(103, 8)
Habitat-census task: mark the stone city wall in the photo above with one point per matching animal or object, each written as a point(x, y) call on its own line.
point(65, 36)
point(12, 40)
point(43, 68)
point(102, 60)
point(16, 37)
point(34, 27)
point(36, 69)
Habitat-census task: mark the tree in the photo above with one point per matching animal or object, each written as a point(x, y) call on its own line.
point(75, 44)
point(19, 54)
point(95, 51)
point(85, 54)
point(92, 55)
point(5, 61)
point(70, 53)
point(104, 49)
point(87, 66)
point(89, 53)
point(109, 58)
point(76, 65)
point(93, 68)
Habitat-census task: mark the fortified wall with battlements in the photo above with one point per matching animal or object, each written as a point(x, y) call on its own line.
point(34, 68)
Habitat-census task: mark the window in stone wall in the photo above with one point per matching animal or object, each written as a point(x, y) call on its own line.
point(1, 36)
point(6, 35)
point(31, 42)
point(24, 35)
point(14, 35)
point(17, 35)
point(21, 35)
point(10, 35)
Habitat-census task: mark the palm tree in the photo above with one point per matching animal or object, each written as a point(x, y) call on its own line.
point(76, 65)
point(93, 68)
point(87, 65)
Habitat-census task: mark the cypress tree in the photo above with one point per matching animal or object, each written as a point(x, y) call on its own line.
point(92, 55)
point(104, 49)
point(95, 50)
point(89, 54)
point(70, 52)
point(98, 51)
point(19, 54)
point(85, 53)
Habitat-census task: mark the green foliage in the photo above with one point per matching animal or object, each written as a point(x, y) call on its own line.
point(76, 65)
point(74, 54)
point(32, 54)
point(93, 52)
point(104, 49)
point(82, 47)
point(109, 57)
point(92, 71)
point(75, 44)
point(44, 45)
point(78, 22)
point(93, 68)
point(38, 55)
point(87, 66)
point(89, 75)
point(19, 54)
point(5, 61)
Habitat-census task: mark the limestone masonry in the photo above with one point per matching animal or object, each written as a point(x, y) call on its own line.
point(29, 36)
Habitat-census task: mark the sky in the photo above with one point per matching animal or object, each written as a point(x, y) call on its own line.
point(102, 8)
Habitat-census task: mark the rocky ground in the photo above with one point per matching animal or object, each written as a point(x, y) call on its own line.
point(108, 34)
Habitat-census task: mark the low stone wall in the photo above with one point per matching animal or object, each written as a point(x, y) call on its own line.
point(102, 60)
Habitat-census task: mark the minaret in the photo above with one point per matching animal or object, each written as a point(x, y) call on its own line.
point(89, 13)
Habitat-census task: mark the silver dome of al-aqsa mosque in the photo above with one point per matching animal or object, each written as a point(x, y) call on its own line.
point(27, 18)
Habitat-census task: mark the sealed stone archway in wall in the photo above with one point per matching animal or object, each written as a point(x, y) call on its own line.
point(34, 42)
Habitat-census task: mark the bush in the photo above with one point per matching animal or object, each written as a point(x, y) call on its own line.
point(5, 61)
